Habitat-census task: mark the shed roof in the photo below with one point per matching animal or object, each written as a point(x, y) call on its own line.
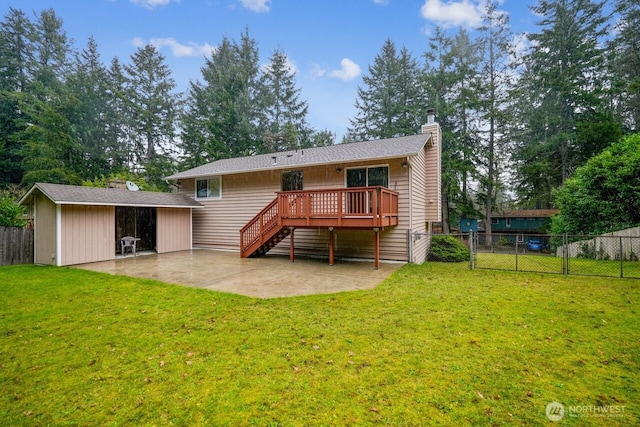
point(405, 146)
point(61, 194)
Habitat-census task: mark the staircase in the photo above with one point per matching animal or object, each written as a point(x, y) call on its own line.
point(263, 232)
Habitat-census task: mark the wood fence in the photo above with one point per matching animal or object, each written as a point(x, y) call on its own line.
point(16, 245)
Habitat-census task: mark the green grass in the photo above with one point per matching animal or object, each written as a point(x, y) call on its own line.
point(433, 345)
point(552, 264)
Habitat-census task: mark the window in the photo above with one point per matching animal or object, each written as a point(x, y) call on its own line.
point(508, 222)
point(210, 188)
point(292, 181)
point(494, 220)
point(368, 177)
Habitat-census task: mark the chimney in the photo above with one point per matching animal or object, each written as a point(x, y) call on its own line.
point(431, 116)
point(431, 120)
point(117, 183)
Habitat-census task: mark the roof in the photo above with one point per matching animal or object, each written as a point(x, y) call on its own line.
point(528, 213)
point(405, 146)
point(75, 195)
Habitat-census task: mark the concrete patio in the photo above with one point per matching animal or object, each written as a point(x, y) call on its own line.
point(267, 277)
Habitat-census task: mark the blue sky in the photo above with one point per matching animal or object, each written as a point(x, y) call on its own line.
point(330, 43)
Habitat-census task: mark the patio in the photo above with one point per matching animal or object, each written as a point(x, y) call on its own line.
point(265, 277)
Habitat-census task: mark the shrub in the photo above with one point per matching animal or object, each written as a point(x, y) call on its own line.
point(447, 249)
point(10, 213)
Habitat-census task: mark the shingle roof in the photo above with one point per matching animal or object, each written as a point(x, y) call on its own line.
point(341, 153)
point(75, 195)
point(528, 213)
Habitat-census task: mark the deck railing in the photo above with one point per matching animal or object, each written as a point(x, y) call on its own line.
point(360, 207)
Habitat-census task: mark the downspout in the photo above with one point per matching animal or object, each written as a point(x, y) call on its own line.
point(410, 232)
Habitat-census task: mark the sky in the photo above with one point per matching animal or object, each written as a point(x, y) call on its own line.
point(330, 43)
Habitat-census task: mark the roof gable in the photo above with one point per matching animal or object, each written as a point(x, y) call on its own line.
point(405, 146)
point(61, 194)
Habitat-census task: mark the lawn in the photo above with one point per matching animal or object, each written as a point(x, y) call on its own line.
point(435, 344)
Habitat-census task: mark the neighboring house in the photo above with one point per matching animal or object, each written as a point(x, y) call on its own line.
point(522, 221)
point(372, 199)
point(75, 225)
point(468, 225)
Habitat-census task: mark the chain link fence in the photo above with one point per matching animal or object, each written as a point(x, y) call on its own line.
point(609, 256)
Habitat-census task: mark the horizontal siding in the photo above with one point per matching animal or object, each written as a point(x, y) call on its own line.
point(245, 195)
point(88, 234)
point(420, 206)
point(434, 168)
point(173, 230)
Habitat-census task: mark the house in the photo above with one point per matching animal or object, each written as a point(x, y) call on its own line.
point(468, 225)
point(75, 225)
point(519, 222)
point(371, 199)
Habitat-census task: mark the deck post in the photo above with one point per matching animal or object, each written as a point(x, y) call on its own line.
point(291, 247)
point(330, 245)
point(376, 263)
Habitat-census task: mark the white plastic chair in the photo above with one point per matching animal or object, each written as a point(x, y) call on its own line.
point(128, 242)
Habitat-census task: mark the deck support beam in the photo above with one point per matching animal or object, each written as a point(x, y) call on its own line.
point(376, 232)
point(331, 245)
point(291, 246)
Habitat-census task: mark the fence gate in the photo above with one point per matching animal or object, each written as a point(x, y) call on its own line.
point(609, 256)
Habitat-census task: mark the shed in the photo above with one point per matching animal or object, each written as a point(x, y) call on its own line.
point(75, 225)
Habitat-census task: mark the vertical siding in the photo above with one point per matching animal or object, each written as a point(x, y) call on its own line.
point(45, 231)
point(245, 195)
point(87, 233)
point(173, 230)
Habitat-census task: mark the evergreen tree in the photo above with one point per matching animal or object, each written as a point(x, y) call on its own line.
point(391, 104)
point(283, 116)
point(152, 110)
point(563, 78)
point(625, 62)
point(221, 113)
point(494, 85)
point(48, 148)
point(88, 84)
point(16, 47)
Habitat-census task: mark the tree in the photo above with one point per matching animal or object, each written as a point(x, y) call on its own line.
point(221, 112)
point(391, 103)
point(563, 79)
point(603, 195)
point(152, 110)
point(283, 116)
point(494, 85)
point(89, 117)
point(16, 65)
point(625, 62)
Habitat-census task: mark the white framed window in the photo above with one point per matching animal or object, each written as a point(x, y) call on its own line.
point(508, 222)
point(209, 188)
point(494, 220)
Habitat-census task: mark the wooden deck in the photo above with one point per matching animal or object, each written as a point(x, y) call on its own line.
point(356, 208)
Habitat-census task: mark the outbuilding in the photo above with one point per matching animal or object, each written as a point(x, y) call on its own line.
point(76, 225)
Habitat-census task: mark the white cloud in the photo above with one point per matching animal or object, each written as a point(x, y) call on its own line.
point(449, 14)
point(258, 6)
point(150, 4)
point(381, 2)
point(349, 70)
point(177, 49)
